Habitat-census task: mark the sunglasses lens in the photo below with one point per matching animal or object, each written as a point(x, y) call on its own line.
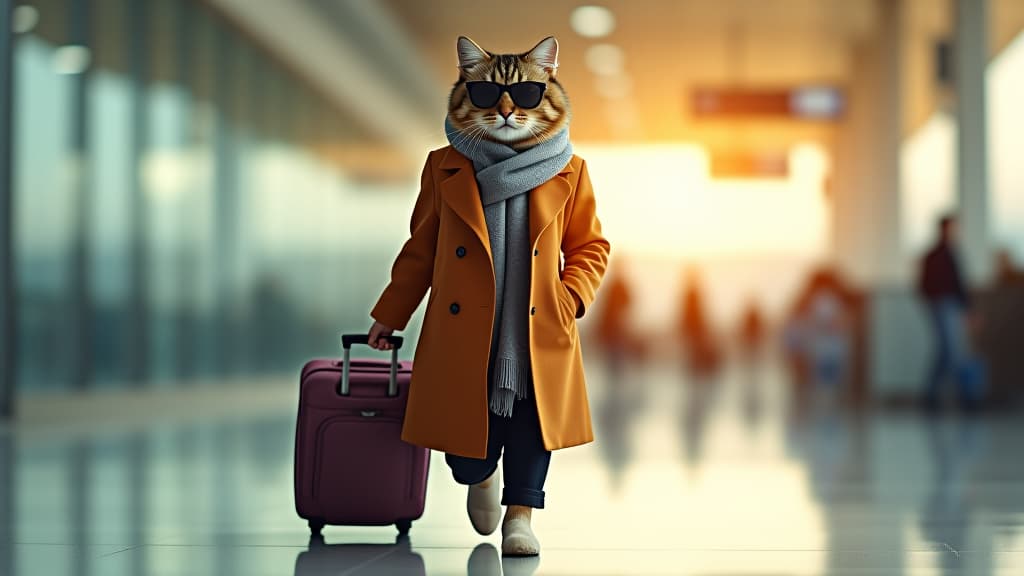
point(483, 94)
point(526, 94)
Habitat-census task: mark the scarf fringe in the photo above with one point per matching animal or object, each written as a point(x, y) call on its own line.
point(510, 383)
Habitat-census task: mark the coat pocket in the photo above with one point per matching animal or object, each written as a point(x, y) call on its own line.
point(566, 305)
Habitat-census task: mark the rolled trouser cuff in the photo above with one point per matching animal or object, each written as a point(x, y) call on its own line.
point(470, 470)
point(522, 497)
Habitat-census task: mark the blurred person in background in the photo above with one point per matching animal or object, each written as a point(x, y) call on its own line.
point(621, 397)
point(613, 332)
point(701, 359)
point(700, 351)
point(751, 331)
point(942, 289)
point(819, 338)
point(750, 343)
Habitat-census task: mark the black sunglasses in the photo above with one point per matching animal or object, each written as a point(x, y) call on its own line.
point(485, 94)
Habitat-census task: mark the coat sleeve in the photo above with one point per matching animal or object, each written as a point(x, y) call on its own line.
point(413, 268)
point(585, 248)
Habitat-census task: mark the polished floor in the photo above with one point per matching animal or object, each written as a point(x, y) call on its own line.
point(714, 478)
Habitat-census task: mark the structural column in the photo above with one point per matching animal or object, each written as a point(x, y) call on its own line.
point(971, 58)
point(80, 329)
point(137, 22)
point(225, 208)
point(8, 318)
point(866, 199)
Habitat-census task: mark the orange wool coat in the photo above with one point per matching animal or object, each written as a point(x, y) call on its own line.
point(449, 252)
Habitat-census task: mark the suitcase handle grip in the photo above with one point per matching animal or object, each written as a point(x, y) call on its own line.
point(347, 340)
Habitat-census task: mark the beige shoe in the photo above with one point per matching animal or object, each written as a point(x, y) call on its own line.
point(517, 538)
point(484, 505)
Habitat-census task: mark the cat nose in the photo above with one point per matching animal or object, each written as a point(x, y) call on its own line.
point(505, 106)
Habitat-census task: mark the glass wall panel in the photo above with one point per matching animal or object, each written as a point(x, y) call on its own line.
point(225, 202)
point(199, 274)
point(110, 168)
point(44, 176)
point(166, 176)
point(243, 102)
point(1006, 140)
point(179, 214)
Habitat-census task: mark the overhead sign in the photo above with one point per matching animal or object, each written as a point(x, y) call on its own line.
point(800, 103)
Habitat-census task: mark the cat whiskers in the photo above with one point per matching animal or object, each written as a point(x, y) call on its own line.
point(474, 135)
point(536, 132)
point(460, 137)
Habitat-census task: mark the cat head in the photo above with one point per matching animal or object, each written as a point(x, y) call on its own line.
point(513, 99)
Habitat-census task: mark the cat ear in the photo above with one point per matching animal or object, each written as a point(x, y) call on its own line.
point(545, 54)
point(470, 53)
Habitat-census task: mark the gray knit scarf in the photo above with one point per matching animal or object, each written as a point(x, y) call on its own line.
point(504, 175)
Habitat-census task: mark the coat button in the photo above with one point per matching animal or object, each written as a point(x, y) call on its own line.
point(460, 251)
point(533, 310)
point(454, 308)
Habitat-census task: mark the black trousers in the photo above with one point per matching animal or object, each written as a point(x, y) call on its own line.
point(525, 466)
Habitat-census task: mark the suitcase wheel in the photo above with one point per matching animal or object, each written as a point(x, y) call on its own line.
point(403, 526)
point(315, 527)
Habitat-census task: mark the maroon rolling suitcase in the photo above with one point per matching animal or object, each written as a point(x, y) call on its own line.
point(351, 465)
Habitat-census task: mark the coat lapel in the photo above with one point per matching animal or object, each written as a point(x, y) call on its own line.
point(459, 190)
point(547, 200)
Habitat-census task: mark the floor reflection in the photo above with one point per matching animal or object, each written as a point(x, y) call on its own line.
point(486, 560)
point(717, 476)
point(945, 518)
point(322, 559)
point(6, 502)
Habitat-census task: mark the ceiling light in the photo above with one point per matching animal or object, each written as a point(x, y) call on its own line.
point(71, 59)
point(592, 21)
point(24, 18)
point(605, 59)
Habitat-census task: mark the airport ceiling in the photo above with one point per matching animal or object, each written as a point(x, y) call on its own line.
point(670, 47)
point(400, 55)
point(667, 49)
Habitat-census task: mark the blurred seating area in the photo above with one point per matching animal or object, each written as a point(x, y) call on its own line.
point(1001, 334)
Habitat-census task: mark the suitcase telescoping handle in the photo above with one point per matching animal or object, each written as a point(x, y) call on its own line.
point(347, 340)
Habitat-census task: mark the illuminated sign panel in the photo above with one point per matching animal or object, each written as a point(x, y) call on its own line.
point(800, 103)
